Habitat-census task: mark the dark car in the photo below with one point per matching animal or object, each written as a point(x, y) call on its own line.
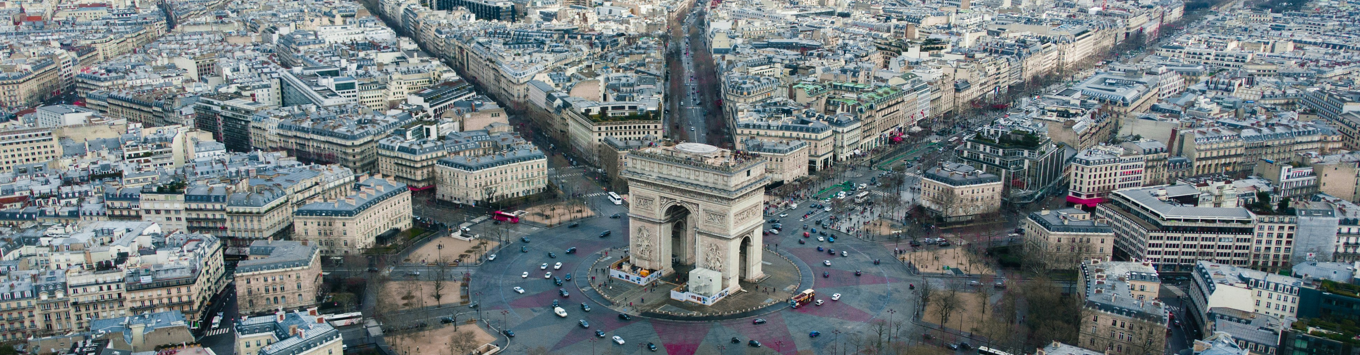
point(372, 269)
point(735, 340)
point(965, 346)
point(915, 243)
point(651, 347)
point(831, 251)
point(524, 239)
point(523, 249)
point(820, 248)
point(446, 320)
point(585, 307)
point(554, 303)
point(563, 292)
point(573, 225)
point(508, 333)
point(615, 216)
point(625, 316)
point(953, 347)
point(557, 281)
point(599, 333)
point(814, 334)
point(605, 234)
point(571, 250)
point(826, 275)
point(566, 277)
point(821, 233)
point(585, 324)
point(857, 273)
point(552, 255)
point(753, 343)
point(800, 241)
point(758, 321)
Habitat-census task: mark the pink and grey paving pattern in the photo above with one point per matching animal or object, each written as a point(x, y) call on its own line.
point(864, 298)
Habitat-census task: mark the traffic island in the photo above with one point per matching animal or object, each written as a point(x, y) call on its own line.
point(654, 297)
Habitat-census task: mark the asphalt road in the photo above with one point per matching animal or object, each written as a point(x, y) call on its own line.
point(692, 113)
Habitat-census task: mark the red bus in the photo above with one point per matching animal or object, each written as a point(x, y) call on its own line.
point(802, 298)
point(505, 216)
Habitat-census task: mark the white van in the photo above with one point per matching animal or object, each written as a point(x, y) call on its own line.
point(560, 312)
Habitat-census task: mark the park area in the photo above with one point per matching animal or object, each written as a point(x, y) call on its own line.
point(944, 260)
point(441, 341)
point(554, 213)
point(417, 294)
point(966, 314)
point(452, 250)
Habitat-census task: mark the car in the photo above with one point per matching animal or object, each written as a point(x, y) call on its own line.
point(573, 225)
point(828, 209)
point(753, 343)
point(555, 304)
point(835, 297)
point(519, 289)
point(735, 340)
point(567, 277)
point(814, 334)
point(571, 250)
point(819, 248)
point(508, 333)
point(604, 234)
point(523, 249)
point(782, 215)
point(446, 320)
point(491, 257)
point(819, 302)
point(845, 254)
point(830, 239)
point(915, 243)
point(943, 243)
point(800, 241)
point(557, 281)
point(599, 333)
point(651, 347)
point(585, 307)
point(691, 129)
point(543, 267)
point(965, 346)
point(774, 231)
point(372, 269)
point(524, 239)
point(826, 275)
point(618, 340)
point(561, 313)
point(826, 262)
point(857, 273)
point(831, 251)
point(557, 266)
point(953, 346)
point(772, 220)
point(623, 316)
point(615, 216)
point(547, 275)
point(758, 321)
point(584, 324)
point(552, 255)
point(821, 233)
point(820, 239)
point(563, 292)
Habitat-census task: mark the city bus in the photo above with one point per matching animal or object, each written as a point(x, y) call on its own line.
point(505, 216)
point(982, 350)
point(344, 319)
point(861, 197)
point(613, 197)
point(802, 298)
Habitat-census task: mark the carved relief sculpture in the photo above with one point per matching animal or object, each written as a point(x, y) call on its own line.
point(645, 203)
point(713, 256)
point(643, 250)
point(746, 214)
point(714, 218)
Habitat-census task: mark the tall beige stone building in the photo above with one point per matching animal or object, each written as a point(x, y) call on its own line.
point(517, 172)
point(1120, 313)
point(278, 275)
point(1066, 237)
point(957, 192)
point(350, 225)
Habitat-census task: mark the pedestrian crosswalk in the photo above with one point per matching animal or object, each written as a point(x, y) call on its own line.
point(596, 194)
point(218, 331)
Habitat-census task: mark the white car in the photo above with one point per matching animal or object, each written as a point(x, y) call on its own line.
point(618, 340)
point(525, 275)
point(782, 215)
point(543, 267)
point(557, 266)
point(826, 262)
point(547, 275)
point(518, 289)
point(820, 239)
point(828, 209)
point(491, 257)
point(835, 297)
point(819, 302)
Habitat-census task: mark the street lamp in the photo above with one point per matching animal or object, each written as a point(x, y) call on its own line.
point(891, 312)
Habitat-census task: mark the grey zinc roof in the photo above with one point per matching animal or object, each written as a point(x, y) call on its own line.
point(1113, 293)
point(959, 175)
point(1058, 221)
point(278, 255)
point(382, 190)
point(1146, 196)
point(152, 321)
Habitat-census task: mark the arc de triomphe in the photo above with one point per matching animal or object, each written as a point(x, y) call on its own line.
point(696, 204)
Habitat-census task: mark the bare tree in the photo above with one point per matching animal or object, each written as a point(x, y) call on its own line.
point(442, 270)
point(927, 293)
point(463, 342)
point(947, 302)
point(985, 293)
